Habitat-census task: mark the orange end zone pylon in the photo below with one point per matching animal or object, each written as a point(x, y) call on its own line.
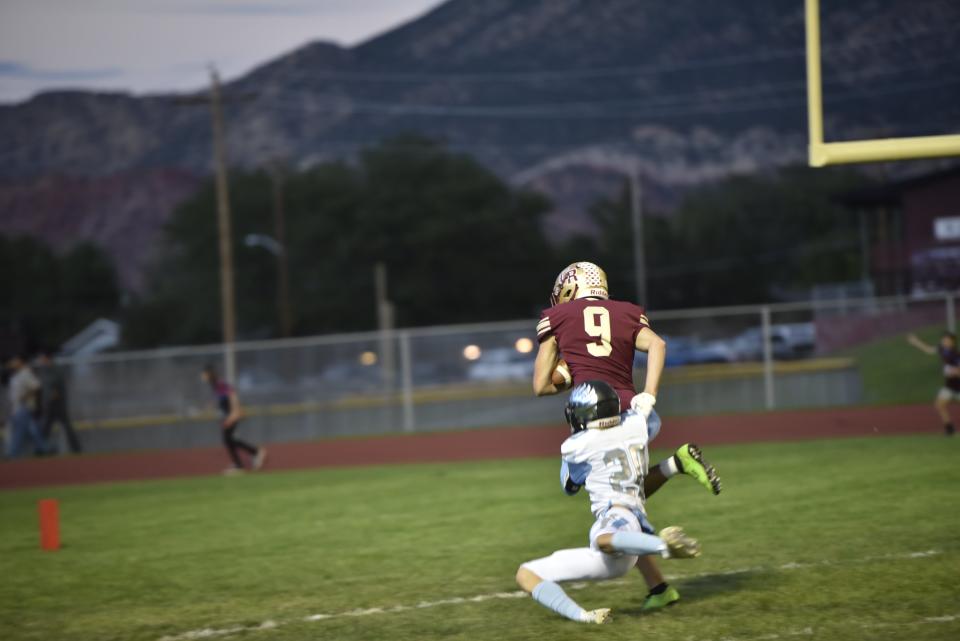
point(49, 524)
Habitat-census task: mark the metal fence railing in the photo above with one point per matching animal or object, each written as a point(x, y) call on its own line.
point(745, 358)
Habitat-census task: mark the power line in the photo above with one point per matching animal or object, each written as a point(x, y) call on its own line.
point(704, 106)
point(596, 111)
point(645, 104)
point(602, 72)
point(661, 106)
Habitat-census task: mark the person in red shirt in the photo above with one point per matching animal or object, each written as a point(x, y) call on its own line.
point(230, 414)
point(597, 338)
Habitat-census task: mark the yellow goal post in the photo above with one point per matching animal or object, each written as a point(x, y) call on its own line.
point(853, 151)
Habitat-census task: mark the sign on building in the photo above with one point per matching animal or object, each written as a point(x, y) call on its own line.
point(947, 228)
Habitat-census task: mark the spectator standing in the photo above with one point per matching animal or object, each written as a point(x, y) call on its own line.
point(231, 413)
point(24, 388)
point(54, 401)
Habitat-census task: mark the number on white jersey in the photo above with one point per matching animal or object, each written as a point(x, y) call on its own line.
point(633, 466)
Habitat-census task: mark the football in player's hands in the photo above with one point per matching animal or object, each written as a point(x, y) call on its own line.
point(562, 378)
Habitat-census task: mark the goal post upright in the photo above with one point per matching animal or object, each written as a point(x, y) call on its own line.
point(823, 153)
point(814, 80)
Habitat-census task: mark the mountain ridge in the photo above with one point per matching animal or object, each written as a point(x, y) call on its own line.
point(691, 91)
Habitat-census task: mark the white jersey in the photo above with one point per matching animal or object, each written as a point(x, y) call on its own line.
point(610, 463)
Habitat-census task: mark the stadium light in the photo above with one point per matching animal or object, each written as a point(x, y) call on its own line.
point(524, 345)
point(472, 352)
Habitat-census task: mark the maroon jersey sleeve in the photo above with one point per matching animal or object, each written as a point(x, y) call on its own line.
point(597, 339)
point(638, 318)
point(544, 328)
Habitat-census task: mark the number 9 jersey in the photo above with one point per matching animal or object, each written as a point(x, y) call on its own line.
point(597, 339)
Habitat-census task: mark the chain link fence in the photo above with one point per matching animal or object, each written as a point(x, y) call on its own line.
point(733, 359)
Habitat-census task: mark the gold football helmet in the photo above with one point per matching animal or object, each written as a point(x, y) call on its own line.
point(579, 280)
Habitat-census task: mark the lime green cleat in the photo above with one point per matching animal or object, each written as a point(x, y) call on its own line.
point(662, 600)
point(693, 464)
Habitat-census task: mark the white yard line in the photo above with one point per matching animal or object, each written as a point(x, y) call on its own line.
point(794, 565)
point(786, 634)
point(209, 633)
point(809, 631)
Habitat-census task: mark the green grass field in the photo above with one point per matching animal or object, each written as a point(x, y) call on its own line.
point(849, 539)
point(894, 373)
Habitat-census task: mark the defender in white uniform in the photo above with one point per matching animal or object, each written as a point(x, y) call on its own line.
point(609, 457)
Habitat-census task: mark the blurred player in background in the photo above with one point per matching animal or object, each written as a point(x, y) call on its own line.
point(947, 351)
point(229, 404)
point(598, 338)
point(54, 402)
point(609, 458)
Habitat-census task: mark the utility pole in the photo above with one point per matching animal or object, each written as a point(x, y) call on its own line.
point(224, 232)
point(636, 213)
point(629, 166)
point(279, 233)
point(385, 323)
point(227, 295)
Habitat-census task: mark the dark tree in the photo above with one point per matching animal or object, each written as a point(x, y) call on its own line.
point(458, 243)
point(49, 297)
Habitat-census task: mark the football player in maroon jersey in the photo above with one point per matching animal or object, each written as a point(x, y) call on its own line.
point(950, 357)
point(598, 338)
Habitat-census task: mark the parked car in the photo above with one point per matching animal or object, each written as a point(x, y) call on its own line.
point(350, 376)
point(259, 381)
point(257, 385)
point(501, 364)
point(684, 350)
point(787, 341)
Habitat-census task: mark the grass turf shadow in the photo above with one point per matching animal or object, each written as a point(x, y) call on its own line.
point(702, 588)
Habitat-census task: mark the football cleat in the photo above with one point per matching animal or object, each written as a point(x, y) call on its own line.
point(680, 545)
point(599, 616)
point(579, 280)
point(662, 600)
point(260, 458)
point(693, 464)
